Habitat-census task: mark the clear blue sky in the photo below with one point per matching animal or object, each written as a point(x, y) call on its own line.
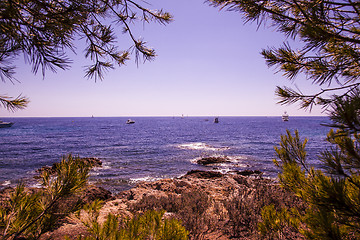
point(208, 64)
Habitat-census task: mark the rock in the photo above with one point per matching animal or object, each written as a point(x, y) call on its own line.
point(92, 193)
point(71, 231)
point(50, 170)
point(204, 174)
point(169, 194)
point(93, 161)
point(5, 195)
point(212, 160)
point(248, 172)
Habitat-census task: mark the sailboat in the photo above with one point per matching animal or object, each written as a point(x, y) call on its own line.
point(285, 117)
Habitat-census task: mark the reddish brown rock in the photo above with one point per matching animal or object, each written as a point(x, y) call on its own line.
point(213, 160)
point(91, 193)
point(199, 199)
point(204, 174)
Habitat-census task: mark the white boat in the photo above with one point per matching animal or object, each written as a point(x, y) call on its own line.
point(285, 117)
point(5, 124)
point(129, 121)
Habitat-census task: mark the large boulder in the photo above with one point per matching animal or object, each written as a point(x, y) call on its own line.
point(203, 174)
point(213, 160)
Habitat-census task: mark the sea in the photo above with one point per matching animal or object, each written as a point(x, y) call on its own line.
point(152, 148)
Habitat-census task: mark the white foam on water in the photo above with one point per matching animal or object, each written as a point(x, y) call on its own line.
point(36, 185)
point(115, 147)
point(194, 160)
point(201, 146)
point(96, 171)
point(144, 179)
point(104, 166)
point(234, 160)
point(233, 163)
point(237, 158)
point(238, 161)
point(224, 170)
point(241, 165)
point(6, 183)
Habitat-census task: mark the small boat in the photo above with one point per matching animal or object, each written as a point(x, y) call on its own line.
point(5, 124)
point(216, 120)
point(285, 117)
point(129, 121)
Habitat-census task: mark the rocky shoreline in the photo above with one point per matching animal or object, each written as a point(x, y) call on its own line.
point(202, 200)
point(211, 205)
point(152, 195)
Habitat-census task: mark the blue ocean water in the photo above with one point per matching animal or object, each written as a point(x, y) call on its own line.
point(152, 148)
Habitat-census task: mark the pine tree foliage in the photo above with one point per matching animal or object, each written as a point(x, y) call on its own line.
point(31, 213)
point(45, 31)
point(329, 57)
point(332, 193)
point(150, 225)
point(274, 223)
point(333, 197)
point(13, 104)
point(330, 31)
point(42, 31)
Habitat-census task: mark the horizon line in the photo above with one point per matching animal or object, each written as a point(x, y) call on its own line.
point(167, 116)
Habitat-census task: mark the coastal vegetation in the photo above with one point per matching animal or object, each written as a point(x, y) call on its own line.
point(199, 205)
point(31, 212)
point(308, 203)
point(329, 57)
point(149, 225)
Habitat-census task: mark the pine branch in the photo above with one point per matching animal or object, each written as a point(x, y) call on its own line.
point(290, 96)
point(26, 213)
point(13, 104)
point(43, 31)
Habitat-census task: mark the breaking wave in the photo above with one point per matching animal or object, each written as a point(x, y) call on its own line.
point(202, 146)
point(144, 179)
point(238, 162)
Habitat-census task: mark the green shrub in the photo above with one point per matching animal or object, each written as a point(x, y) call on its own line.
point(275, 223)
point(332, 197)
point(30, 213)
point(150, 225)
